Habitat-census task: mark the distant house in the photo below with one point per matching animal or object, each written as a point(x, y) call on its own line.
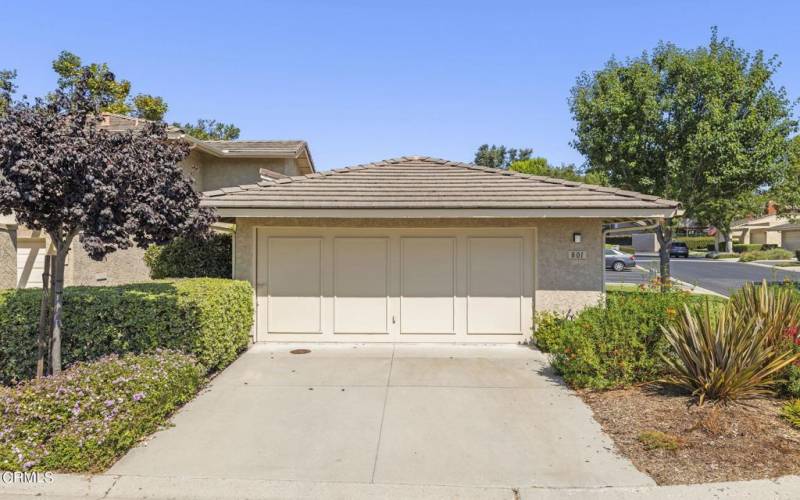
point(770, 229)
point(211, 165)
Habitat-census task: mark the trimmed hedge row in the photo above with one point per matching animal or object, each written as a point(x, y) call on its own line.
point(206, 317)
point(92, 413)
point(696, 243)
point(191, 258)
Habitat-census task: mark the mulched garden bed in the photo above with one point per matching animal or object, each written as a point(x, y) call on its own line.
point(669, 437)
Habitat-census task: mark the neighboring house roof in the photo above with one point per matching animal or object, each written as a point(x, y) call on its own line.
point(424, 182)
point(786, 227)
point(763, 222)
point(297, 150)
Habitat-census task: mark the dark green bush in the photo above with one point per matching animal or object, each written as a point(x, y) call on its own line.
point(750, 247)
point(623, 241)
point(615, 345)
point(91, 414)
point(207, 317)
point(696, 243)
point(191, 258)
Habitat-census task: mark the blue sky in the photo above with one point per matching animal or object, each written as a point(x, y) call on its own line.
point(368, 80)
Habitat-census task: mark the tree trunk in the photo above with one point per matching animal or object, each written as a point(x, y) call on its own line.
point(728, 242)
point(664, 235)
point(58, 303)
point(44, 320)
point(50, 307)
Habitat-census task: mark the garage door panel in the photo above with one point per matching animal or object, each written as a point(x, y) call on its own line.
point(427, 298)
point(294, 277)
point(494, 285)
point(791, 240)
point(360, 277)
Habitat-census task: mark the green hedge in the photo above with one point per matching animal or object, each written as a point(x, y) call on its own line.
point(206, 317)
point(774, 254)
point(191, 258)
point(612, 346)
point(696, 243)
point(91, 414)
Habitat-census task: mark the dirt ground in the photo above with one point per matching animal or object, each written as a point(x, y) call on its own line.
point(673, 440)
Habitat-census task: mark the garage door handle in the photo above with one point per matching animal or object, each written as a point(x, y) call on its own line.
point(393, 321)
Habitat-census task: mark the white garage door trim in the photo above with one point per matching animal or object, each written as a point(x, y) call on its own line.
point(380, 281)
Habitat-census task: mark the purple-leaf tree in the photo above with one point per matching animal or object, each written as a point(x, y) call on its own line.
point(62, 174)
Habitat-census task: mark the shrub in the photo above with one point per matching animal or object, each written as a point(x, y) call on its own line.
point(723, 355)
point(206, 317)
point(611, 346)
point(725, 256)
point(191, 258)
point(791, 412)
point(88, 416)
point(750, 247)
point(657, 440)
point(696, 243)
point(774, 254)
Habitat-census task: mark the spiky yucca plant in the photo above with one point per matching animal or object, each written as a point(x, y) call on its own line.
point(724, 356)
point(778, 308)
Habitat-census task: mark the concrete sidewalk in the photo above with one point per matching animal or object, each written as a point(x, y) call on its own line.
point(106, 486)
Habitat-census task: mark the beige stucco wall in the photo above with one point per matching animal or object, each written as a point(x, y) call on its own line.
point(117, 268)
point(226, 172)
point(562, 284)
point(8, 257)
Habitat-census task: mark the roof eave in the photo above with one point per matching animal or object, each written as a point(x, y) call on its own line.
point(447, 213)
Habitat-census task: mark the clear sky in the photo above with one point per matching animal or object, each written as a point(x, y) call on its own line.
point(368, 80)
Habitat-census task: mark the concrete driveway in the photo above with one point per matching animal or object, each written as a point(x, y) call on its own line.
point(388, 414)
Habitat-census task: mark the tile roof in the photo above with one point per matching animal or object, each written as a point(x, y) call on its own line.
point(296, 149)
point(425, 182)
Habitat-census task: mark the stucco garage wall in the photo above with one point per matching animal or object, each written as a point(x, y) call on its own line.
point(117, 268)
point(8, 257)
point(562, 284)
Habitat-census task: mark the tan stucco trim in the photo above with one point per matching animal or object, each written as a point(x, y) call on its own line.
point(424, 213)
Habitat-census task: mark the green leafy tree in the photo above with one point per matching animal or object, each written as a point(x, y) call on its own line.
point(706, 126)
point(540, 166)
point(786, 190)
point(149, 107)
point(7, 87)
point(111, 95)
point(211, 130)
point(500, 156)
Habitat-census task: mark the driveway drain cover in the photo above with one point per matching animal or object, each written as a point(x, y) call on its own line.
point(300, 351)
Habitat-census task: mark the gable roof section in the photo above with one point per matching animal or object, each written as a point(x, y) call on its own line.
point(421, 182)
point(297, 150)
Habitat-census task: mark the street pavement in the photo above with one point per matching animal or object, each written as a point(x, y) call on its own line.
point(718, 276)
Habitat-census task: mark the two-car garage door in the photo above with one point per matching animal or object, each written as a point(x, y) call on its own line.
point(394, 285)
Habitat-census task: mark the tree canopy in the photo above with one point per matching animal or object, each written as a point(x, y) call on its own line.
point(112, 95)
point(7, 87)
point(540, 166)
point(64, 175)
point(210, 130)
point(500, 156)
point(706, 126)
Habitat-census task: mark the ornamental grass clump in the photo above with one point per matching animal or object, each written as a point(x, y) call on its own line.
point(92, 413)
point(735, 352)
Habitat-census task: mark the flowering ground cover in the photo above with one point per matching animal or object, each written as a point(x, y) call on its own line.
point(86, 418)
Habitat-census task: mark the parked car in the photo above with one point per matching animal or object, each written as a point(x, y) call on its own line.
point(619, 261)
point(679, 249)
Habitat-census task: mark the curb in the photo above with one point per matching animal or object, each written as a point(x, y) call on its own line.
point(106, 486)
